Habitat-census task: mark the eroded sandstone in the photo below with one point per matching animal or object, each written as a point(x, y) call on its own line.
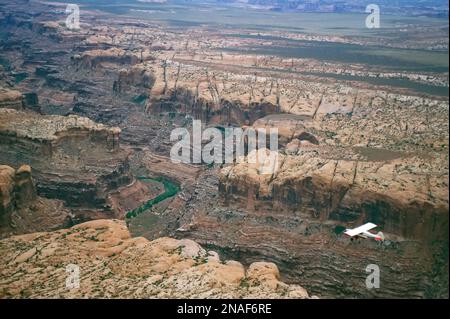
point(114, 265)
point(21, 210)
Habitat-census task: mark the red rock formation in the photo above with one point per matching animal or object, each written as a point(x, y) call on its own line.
point(75, 159)
point(21, 210)
point(126, 267)
point(11, 99)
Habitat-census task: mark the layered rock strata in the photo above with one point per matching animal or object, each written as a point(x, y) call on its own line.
point(11, 99)
point(75, 159)
point(301, 210)
point(21, 210)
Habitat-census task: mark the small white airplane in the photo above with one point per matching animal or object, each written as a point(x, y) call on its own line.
point(363, 231)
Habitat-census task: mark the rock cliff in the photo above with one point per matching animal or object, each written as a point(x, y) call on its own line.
point(61, 151)
point(302, 209)
point(136, 80)
point(94, 58)
point(11, 99)
point(21, 210)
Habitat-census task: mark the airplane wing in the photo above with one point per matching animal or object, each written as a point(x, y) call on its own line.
point(360, 229)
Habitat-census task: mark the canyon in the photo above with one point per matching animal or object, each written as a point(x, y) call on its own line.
point(85, 122)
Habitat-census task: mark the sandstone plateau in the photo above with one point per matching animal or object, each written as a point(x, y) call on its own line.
point(114, 265)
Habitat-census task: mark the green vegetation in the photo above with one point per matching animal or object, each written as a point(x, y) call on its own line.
point(140, 99)
point(19, 77)
point(170, 188)
point(339, 229)
point(200, 260)
point(244, 283)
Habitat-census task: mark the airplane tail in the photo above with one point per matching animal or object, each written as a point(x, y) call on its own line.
point(380, 236)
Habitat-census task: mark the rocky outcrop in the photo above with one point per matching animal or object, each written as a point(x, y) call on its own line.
point(56, 131)
point(24, 188)
point(300, 212)
point(294, 129)
point(95, 58)
point(221, 112)
point(7, 197)
point(16, 188)
point(125, 267)
point(61, 151)
point(11, 99)
point(347, 191)
point(136, 81)
point(21, 210)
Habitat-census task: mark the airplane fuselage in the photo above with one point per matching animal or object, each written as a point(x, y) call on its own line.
point(366, 234)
